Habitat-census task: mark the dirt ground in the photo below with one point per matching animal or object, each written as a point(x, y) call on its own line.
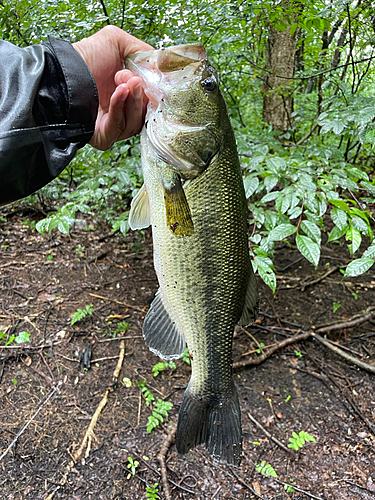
point(302, 387)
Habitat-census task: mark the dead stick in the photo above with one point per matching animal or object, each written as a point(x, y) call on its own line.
point(345, 355)
point(317, 280)
point(279, 443)
point(117, 302)
point(88, 437)
point(298, 489)
point(161, 457)
point(347, 324)
point(259, 359)
point(31, 419)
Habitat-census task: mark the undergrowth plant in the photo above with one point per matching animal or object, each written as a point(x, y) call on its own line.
point(82, 313)
point(152, 492)
point(159, 407)
point(163, 365)
point(297, 441)
point(18, 339)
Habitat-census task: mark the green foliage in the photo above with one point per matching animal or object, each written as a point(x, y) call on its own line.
point(314, 181)
point(186, 356)
point(82, 313)
point(336, 306)
point(18, 339)
point(299, 440)
point(160, 408)
point(265, 469)
point(152, 492)
point(132, 465)
point(159, 411)
point(146, 392)
point(121, 328)
point(161, 366)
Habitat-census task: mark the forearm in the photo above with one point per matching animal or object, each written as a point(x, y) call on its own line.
point(48, 107)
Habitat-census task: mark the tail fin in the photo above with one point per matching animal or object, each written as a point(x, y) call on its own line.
point(214, 422)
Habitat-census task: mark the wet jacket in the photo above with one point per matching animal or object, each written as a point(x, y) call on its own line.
point(48, 107)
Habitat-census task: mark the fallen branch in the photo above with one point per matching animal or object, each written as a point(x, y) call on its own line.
point(298, 489)
point(345, 355)
point(348, 324)
point(31, 419)
point(89, 435)
point(161, 457)
point(279, 443)
point(320, 278)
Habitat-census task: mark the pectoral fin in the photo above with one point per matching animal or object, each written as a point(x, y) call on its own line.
point(177, 209)
point(139, 217)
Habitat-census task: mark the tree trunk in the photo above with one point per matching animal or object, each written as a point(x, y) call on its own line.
point(280, 63)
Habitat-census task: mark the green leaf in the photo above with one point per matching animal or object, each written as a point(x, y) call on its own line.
point(312, 230)
point(268, 276)
point(251, 184)
point(270, 182)
point(308, 249)
point(265, 469)
point(22, 337)
point(339, 217)
point(337, 233)
point(370, 252)
point(355, 237)
point(359, 266)
point(340, 204)
point(270, 196)
point(276, 164)
point(282, 231)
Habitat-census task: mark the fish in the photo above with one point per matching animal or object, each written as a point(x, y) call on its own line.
point(193, 197)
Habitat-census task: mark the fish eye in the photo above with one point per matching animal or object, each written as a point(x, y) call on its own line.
point(209, 84)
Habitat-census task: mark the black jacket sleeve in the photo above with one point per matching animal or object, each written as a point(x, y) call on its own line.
point(48, 107)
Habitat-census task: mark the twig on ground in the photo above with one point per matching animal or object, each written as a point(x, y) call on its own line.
point(161, 457)
point(245, 484)
point(88, 437)
point(117, 302)
point(370, 312)
point(279, 443)
point(259, 359)
point(31, 419)
point(320, 278)
point(298, 489)
point(345, 355)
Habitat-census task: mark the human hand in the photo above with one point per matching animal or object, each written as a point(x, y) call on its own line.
point(122, 103)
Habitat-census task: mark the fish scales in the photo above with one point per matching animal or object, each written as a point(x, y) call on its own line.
point(205, 277)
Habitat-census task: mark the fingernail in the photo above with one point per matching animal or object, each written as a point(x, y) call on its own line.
point(125, 95)
point(137, 92)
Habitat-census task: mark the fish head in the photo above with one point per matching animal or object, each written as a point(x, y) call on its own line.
point(186, 116)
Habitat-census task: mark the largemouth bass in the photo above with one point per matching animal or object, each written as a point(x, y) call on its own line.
point(193, 197)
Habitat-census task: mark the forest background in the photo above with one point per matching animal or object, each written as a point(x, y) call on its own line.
point(298, 78)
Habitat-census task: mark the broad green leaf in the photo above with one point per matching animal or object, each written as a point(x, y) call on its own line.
point(339, 217)
point(340, 204)
point(250, 183)
point(359, 266)
point(282, 231)
point(22, 337)
point(270, 196)
point(370, 252)
point(295, 212)
point(276, 164)
point(355, 237)
point(312, 230)
point(307, 183)
point(268, 276)
point(308, 249)
point(337, 233)
point(270, 182)
point(360, 224)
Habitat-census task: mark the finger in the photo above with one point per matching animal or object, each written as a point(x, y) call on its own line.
point(124, 76)
point(134, 111)
point(113, 122)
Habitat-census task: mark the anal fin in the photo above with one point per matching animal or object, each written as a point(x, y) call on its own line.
point(160, 331)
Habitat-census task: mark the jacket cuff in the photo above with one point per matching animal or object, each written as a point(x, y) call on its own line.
point(83, 99)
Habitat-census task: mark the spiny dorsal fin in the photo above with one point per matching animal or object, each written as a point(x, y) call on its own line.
point(251, 307)
point(177, 210)
point(139, 217)
point(160, 331)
